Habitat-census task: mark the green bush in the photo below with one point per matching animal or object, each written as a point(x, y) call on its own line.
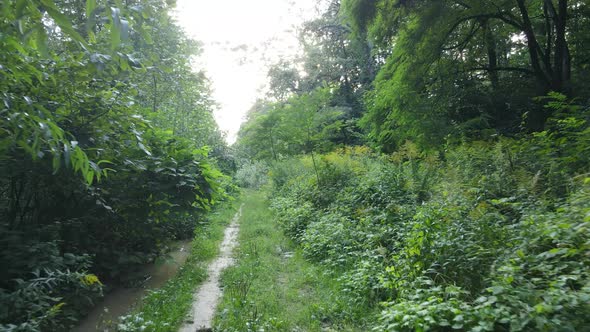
point(487, 236)
point(42, 289)
point(293, 217)
point(542, 284)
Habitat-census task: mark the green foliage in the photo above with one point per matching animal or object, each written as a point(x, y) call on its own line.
point(458, 69)
point(252, 174)
point(490, 237)
point(540, 284)
point(42, 288)
point(567, 135)
point(102, 160)
point(305, 123)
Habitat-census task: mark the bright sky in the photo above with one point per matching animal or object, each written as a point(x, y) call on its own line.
point(240, 40)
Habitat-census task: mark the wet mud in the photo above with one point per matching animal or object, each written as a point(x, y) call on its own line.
point(209, 294)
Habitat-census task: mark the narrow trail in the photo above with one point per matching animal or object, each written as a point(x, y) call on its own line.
point(209, 293)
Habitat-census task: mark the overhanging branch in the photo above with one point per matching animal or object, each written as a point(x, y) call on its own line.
point(518, 69)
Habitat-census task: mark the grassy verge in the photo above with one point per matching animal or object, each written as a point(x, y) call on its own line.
point(272, 287)
point(164, 309)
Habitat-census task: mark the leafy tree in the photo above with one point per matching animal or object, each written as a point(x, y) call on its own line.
point(466, 66)
point(331, 57)
point(99, 167)
point(302, 124)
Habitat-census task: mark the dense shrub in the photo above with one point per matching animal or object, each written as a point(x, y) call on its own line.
point(486, 236)
point(41, 288)
point(541, 284)
point(58, 231)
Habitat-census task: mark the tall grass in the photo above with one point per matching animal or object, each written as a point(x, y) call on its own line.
point(487, 236)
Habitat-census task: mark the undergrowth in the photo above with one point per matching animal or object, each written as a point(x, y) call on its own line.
point(483, 236)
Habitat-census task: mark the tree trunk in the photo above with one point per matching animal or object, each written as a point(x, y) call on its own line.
point(562, 65)
point(541, 69)
point(492, 55)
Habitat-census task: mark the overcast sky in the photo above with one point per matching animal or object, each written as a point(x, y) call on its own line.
point(240, 39)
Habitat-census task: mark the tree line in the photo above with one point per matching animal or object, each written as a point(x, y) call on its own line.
point(426, 71)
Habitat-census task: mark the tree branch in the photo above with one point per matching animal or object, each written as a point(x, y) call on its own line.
point(472, 33)
point(518, 69)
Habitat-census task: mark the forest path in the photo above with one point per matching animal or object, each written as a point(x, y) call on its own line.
point(271, 286)
point(209, 293)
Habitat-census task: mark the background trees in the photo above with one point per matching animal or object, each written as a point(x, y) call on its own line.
point(433, 71)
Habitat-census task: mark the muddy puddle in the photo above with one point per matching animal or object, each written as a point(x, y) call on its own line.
point(209, 293)
point(121, 300)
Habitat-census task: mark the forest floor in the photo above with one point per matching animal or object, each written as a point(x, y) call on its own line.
point(272, 287)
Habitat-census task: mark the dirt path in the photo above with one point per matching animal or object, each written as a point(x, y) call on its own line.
point(208, 295)
point(121, 300)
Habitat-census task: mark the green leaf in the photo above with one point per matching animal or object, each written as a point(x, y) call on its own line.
point(115, 28)
point(90, 7)
point(144, 149)
point(41, 41)
point(124, 30)
point(16, 45)
point(20, 8)
point(62, 21)
point(91, 11)
point(56, 163)
point(496, 290)
point(89, 176)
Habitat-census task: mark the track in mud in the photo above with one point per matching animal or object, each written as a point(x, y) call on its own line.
point(209, 293)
